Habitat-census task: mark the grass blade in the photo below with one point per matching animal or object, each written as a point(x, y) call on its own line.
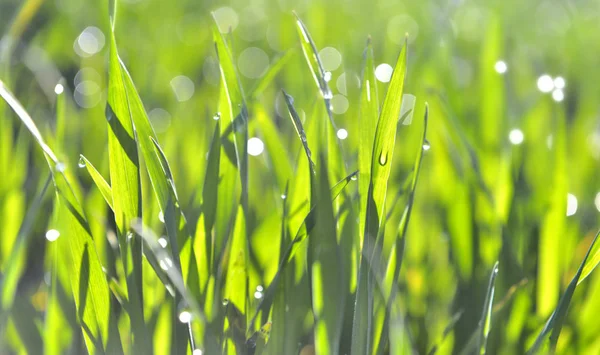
point(368, 115)
point(311, 54)
point(102, 185)
point(486, 316)
point(299, 129)
point(556, 320)
point(381, 161)
point(125, 183)
point(328, 291)
point(77, 248)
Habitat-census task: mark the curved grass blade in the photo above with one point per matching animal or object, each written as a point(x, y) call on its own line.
point(556, 320)
point(299, 128)
point(102, 185)
point(77, 248)
point(311, 54)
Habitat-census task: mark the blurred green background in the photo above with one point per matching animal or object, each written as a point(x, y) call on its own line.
point(511, 174)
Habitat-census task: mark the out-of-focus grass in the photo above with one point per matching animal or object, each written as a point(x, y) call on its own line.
point(196, 207)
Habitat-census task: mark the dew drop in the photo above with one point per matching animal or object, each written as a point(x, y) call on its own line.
point(108, 112)
point(354, 177)
point(225, 301)
point(217, 116)
point(60, 167)
point(161, 216)
point(185, 317)
point(81, 162)
point(163, 242)
point(52, 235)
point(327, 76)
point(383, 158)
point(426, 145)
point(283, 196)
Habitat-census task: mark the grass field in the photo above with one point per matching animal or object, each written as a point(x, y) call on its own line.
point(299, 177)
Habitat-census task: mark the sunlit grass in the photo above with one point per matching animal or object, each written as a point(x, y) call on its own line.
point(257, 180)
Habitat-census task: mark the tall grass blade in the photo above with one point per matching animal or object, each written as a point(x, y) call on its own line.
point(381, 161)
point(367, 116)
point(125, 183)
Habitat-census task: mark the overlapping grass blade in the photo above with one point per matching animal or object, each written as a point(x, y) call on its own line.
point(126, 186)
point(367, 116)
point(304, 231)
point(557, 319)
point(89, 285)
point(381, 160)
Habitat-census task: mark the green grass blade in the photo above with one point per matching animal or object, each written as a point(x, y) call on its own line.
point(328, 291)
point(77, 248)
point(125, 183)
point(16, 261)
point(396, 256)
point(234, 131)
point(367, 116)
point(303, 232)
point(485, 322)
point(102, 185)
point(299, 129)
point(275, 146)
point(381, 161)
point(311, 54)
point(557, 319)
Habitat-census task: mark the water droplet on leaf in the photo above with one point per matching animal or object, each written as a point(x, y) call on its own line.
point(426, 145)
point(81, 162)
point(383, 158)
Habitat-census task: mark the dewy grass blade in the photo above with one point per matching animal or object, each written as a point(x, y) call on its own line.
point(299, 129)
point(381, 161)
point(311, 54)
point(367, 116)
point(556, 320)
point(394, 262)
point(126, 186)
point(77, 248)
point(102, 185)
